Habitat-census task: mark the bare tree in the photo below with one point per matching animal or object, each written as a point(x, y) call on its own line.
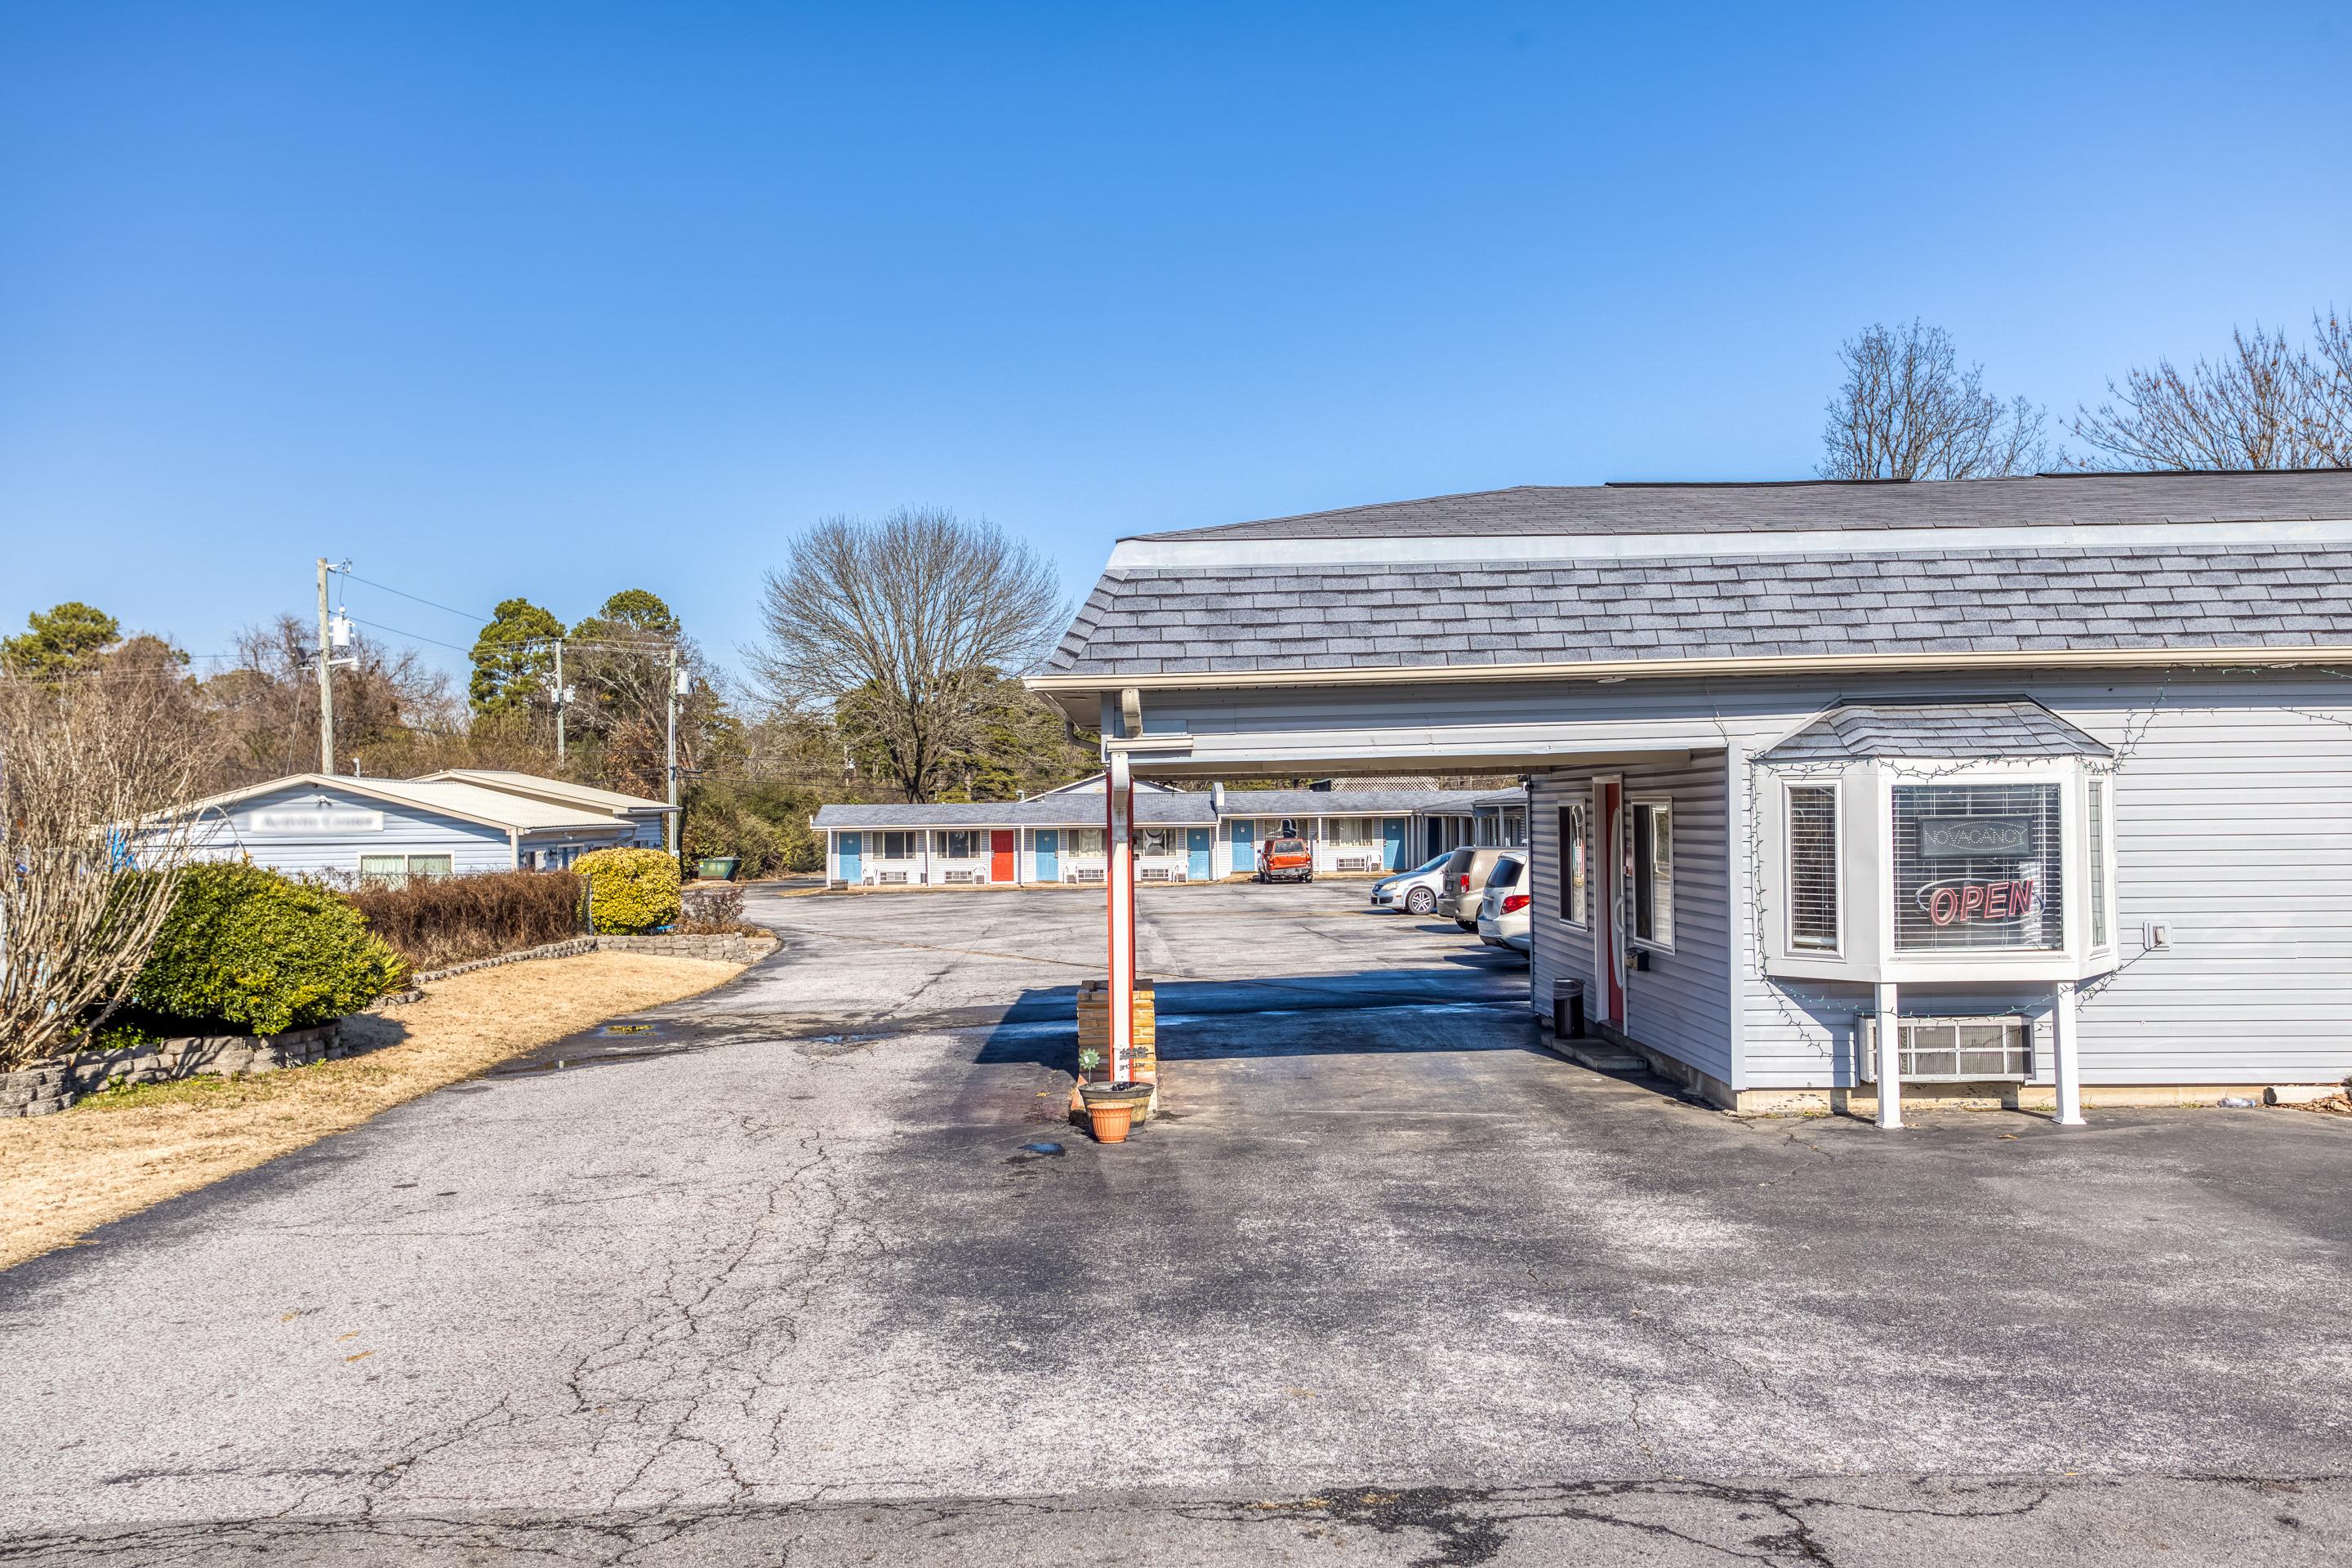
point(1908, 411)
point(268, 704)
point(96, 771)
point(902, 629)
point(2268, 403)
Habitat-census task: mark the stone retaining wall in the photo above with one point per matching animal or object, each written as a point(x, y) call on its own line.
point(734, 948)
point(53, 1084)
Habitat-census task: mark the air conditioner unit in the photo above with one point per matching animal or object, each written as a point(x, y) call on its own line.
point(1990, 1048)
point(1355, 863)
point(890, 878)
point(1086, 874)
point(1156, 874)
point(960, 877)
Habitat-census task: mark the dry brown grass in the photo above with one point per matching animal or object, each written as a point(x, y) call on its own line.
point(62, 1176)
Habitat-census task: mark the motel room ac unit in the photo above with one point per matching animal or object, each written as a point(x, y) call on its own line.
point(1995, 1048)
point(1083, 874)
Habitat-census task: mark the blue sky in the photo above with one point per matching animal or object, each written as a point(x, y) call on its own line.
point(551, 300)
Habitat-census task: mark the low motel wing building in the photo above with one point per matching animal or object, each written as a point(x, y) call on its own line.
point(445, 824)
point(2036, 788)
point(1180, 835)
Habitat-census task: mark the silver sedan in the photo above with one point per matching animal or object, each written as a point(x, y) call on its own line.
point(1413, 891)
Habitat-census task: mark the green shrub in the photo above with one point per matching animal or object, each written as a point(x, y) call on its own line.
point(629, 889)
point(249, 948)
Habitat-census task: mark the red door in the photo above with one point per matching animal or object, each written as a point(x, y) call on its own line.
point(1000, 856)
point(1605, 929)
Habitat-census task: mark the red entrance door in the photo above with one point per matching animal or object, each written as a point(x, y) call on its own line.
point(1000, 856)
point(1606, 932)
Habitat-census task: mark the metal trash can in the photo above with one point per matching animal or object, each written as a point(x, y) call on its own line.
point(1568, 1009)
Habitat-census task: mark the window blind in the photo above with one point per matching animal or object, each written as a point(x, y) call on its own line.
point(1812, 868)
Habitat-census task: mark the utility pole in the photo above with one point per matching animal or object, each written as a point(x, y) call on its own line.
point(326, 681)
point(672, 817)
point(560, 696)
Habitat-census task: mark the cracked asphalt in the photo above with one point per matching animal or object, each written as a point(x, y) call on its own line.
point(773, 1280)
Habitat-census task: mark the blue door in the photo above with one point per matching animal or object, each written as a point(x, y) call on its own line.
point(853, 849)
point(1392, 844)
point(1049, 855)
point(1245, 849)
point(1196, 843)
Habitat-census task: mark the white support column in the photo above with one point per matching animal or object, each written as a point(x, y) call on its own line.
point(2067, 1050)
point(1890, 1060)
point(1118, 880)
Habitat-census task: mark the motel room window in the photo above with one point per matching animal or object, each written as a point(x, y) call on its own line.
point(898, 846)
point(2097, 826)
point(954, 844)
point(1573, 875)
point(1354, 831)
point(394, 870)
point(1813, 867)
point(1650, 871)
point(1084, 841)
point(1156, 841)
point(1977, 868)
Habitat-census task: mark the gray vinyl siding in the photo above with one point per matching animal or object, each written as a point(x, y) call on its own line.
point(407, 830)
point(2232, 803)
point(1683, 1004)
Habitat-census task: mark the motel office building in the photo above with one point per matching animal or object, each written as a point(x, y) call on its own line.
point(2022, 775)
point(1180, 835)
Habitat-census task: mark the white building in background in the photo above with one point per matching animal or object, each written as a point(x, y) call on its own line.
point(447, 824)
point(1182, 835)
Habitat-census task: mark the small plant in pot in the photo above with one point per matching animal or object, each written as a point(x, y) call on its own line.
point(1110, 1106)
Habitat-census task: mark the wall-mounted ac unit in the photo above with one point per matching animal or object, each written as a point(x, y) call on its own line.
point(1990, 1048)
point(1084, 874)
point(890, 878)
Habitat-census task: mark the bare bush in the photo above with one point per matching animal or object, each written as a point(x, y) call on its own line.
point(433, 922)
point(1908, 410)
point(95, 773)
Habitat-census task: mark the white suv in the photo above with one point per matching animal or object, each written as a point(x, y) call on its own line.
point(1503, 912)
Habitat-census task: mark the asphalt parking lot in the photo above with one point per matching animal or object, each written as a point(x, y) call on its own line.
point(1388, 1282)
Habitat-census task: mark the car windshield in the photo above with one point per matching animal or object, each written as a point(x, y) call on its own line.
point(1428, 865)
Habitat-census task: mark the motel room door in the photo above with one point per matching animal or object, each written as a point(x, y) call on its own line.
point(1608, 897)
point(1196, 850)
point(1048, 843)
point(1000, 856)
point(1244, 854)
point(852, 845)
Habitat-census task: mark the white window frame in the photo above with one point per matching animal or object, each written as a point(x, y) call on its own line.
point(1575, 895)
point(1788, 865)
point(408, 868)
point(1631, 810)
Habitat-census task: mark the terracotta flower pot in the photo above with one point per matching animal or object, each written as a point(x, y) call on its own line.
point(1112, 1108)
point(1110, 1119)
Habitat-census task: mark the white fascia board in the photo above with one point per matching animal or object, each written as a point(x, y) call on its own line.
point(1146, 553)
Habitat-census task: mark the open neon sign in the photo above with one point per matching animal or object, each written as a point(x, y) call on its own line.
point(1965, 900)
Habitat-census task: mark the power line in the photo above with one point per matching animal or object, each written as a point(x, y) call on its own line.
point(465, 614)
point(413, 637)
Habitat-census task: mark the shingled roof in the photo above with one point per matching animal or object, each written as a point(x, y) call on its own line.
point(2232, 561)
point(2033, 501)
point(1989, 727)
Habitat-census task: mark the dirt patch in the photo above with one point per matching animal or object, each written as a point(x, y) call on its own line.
point(117, 1153)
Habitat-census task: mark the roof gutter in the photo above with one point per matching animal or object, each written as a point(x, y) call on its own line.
point(1666, 669)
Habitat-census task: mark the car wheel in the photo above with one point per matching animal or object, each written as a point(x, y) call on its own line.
point(1421, 900)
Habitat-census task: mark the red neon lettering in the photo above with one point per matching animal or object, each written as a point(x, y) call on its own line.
point(2020, 898)
point(1996, 901)
point(1942, 905)
point(1972, 901)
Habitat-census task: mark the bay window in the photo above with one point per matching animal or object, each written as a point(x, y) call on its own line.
point(1977, 867)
